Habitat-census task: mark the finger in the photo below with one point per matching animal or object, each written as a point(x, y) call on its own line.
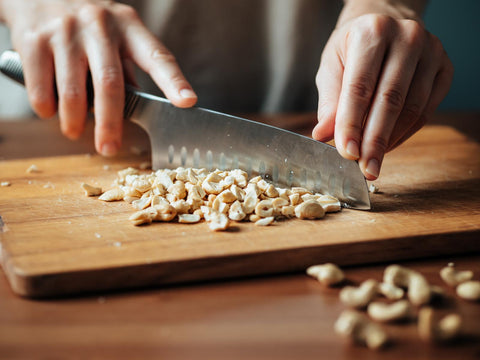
point(329, 85)
point(416, 100)
point(362, 68)
point(440, 89)
point(129, 72)
point(108, 84)
point(71, 73)
point(392, 89)
point(155, 59)
point(38, 70)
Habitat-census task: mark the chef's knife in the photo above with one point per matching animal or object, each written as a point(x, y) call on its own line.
point(197, 137)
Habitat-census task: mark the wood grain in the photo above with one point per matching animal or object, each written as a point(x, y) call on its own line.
point(277, 317)
point(57, 241)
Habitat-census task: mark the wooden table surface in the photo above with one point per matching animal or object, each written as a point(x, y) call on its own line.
point(278, 317)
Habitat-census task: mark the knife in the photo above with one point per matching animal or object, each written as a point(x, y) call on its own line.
point(197, 137)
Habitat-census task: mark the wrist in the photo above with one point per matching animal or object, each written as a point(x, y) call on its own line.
point(398, 9)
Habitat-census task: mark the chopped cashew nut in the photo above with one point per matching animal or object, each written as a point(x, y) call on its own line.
point(189, 218)
point(33, 169)
point(359, 297)
point(141, 217)
point(447, 329)
point(383, 312)
point(309, 209)
point(265, 221)
point(373, 188)
point(418, 289)
point(115, 194)
point(469, 290)
point(91, 190)
point(454, 277)
point(360, 329)
point(168, 194)
point(328, 274)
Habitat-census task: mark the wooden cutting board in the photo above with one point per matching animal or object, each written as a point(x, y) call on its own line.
point(55, 240)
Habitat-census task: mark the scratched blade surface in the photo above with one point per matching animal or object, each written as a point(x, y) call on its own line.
point(203, 138)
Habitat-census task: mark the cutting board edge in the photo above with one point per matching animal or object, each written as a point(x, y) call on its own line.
point(235, 266)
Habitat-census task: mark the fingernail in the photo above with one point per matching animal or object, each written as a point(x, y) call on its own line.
point(109, 149)
point(352, 149)
point(373, 167)
point(187, 93)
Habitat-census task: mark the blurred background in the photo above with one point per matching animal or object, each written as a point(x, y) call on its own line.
point(454, 22)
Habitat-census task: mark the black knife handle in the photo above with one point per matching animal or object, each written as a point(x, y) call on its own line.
point(11, 66)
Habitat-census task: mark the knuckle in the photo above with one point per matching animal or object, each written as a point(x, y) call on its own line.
point(354, 129)
point(436, 46)
point(374, 25)
point(378, 143)
point(392, 98)
point(71, 94)
point(111, 79)
point(32, 39)
point(91, 13)
point(412, 111)
point(126, 11)
point(361, 88)
point(162, 55)
point(39, 96)
point(414, 33)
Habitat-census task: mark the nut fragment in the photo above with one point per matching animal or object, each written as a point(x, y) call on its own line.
point(469, 290)
point(328, 274)
point(447, 329)
point(329, 203)
point(217, 221)
point(454, 277)
point(309, 209)
point(33, 169)
point(236, 212)
point(188, 218)
point(264, 208)
point(114, 194)
point(360, 329)
point(265, 221)
point(91, 190)
point(141, 217)
point(164, 212)
point(383, 312)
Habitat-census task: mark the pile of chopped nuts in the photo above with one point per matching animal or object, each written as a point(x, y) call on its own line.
point(190, 195)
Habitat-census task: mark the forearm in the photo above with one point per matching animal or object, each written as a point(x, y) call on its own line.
point(399, 9)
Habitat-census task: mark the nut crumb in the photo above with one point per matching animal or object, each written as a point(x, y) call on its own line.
point(33, 169)
point(373, 188)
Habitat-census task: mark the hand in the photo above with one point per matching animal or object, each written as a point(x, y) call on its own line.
point(379, 80)
point(61, 40)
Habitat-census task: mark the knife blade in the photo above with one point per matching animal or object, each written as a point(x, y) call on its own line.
point(197, 137)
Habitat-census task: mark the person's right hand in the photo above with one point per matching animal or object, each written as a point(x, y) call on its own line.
point(59, 41)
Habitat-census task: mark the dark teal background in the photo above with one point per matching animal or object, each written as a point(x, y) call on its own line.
point(457, 24)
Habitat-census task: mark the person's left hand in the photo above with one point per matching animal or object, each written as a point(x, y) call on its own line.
point(379, 81)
